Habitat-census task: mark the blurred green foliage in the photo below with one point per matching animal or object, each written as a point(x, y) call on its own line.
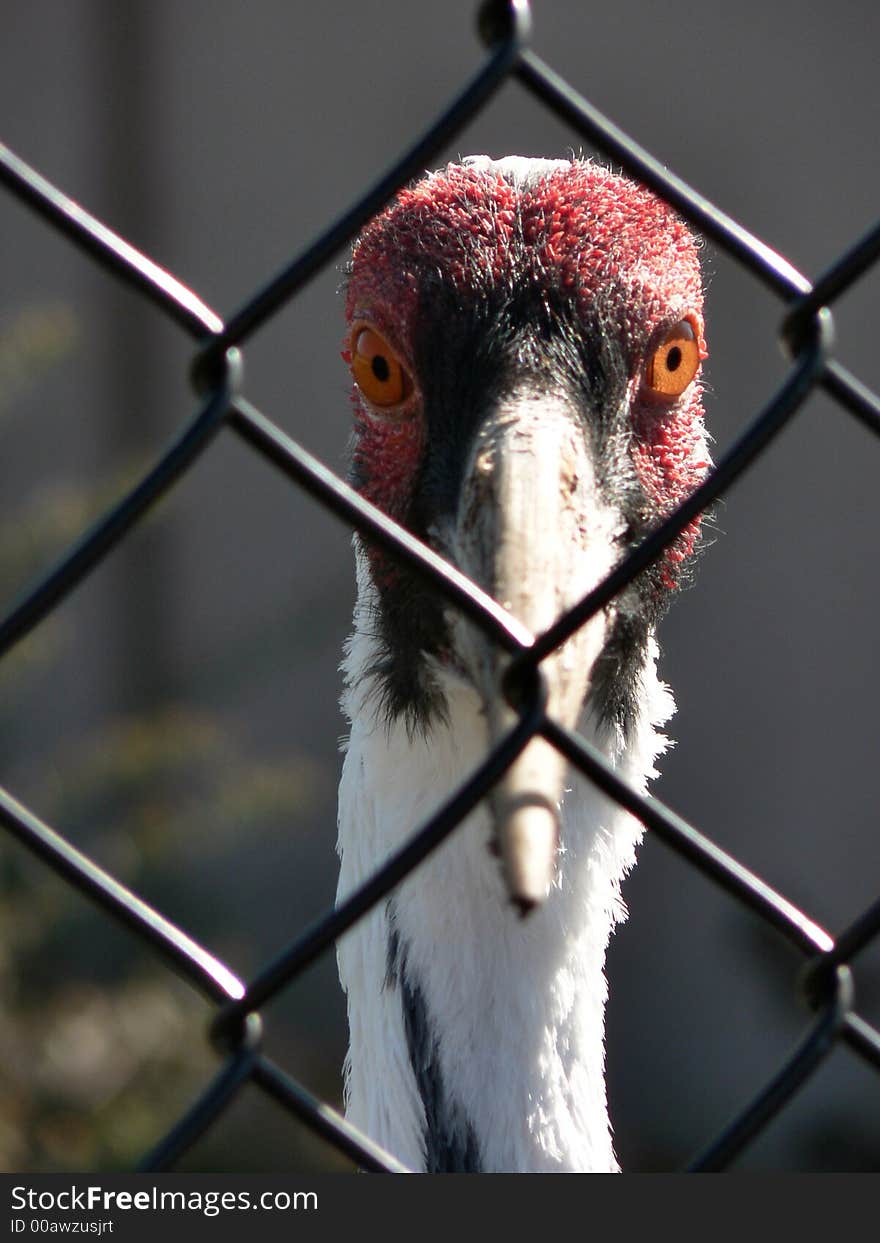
point(101, 1047)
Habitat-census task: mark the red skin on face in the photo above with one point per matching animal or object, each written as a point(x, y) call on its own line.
point(587, 229)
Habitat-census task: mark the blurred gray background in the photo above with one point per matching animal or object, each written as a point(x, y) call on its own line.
point(178, 715)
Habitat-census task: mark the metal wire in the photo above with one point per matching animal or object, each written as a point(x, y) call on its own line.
point(805, 330)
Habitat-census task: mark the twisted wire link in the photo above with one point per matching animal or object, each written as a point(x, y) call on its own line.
point(805, 330)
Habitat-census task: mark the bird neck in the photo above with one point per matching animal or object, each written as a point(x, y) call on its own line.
point(477, 1037)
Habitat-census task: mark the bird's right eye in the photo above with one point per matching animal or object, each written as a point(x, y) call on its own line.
point(377, 370)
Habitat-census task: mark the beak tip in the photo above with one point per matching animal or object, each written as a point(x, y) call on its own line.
point(528, 833)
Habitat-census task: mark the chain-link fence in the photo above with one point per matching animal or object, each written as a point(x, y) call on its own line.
point(224, 408)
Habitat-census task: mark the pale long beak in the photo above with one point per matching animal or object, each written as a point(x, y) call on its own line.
point(532, 531)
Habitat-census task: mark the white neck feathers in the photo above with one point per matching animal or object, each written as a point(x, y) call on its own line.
point(506, 1016)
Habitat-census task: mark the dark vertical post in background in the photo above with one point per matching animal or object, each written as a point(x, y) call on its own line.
point(141, 624)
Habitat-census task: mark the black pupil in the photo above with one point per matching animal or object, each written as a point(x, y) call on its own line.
point(673, 359)
point(380, 367)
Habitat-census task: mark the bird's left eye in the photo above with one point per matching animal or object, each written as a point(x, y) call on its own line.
point(377, 370)
point(673, 362)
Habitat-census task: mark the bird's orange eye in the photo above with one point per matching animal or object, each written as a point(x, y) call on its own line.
point(377, 370)
point(674, 362)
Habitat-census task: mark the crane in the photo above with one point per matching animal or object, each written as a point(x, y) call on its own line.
point(525, 338)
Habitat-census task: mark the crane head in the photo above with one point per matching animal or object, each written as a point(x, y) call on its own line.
point(525, 338)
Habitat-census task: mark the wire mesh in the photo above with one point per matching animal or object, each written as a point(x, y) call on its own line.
point(806, 333)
